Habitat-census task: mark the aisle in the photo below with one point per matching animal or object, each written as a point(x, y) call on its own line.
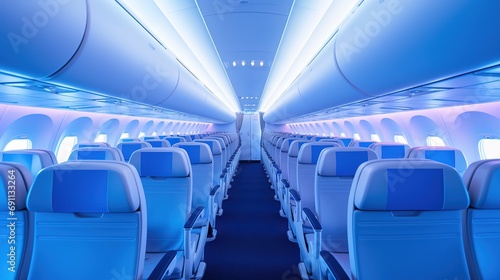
point(251, 242)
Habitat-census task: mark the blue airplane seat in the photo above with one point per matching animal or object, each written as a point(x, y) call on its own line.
point(390, 149)
point(129, 140)
point(74, 205)
point(127, 148)
point(204, 192)
point(447, 155)
point(15, 224)
point(34, 159)
point(303, 195)
point(96, 153)
point(332, 183)
point(173, 224)
point(220, 172)
point(405, 221)
point(90, 145)
point(158, 143)
point(483, 218)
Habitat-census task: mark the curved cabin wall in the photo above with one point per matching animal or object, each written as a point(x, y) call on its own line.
point(392, 45)
point(113, 56)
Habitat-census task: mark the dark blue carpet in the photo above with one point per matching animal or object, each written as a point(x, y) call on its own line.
point(251, 242)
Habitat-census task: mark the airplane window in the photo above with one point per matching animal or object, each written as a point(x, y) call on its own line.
point(356, 136)
point(125, 135)
point(142, 134)
point(489, 148)
point(375, 137)
point(65, 148)
point(435, 141)
point(154, 133)
point(400, 139)
point(18, 144)
point(101, 138)
point(342, 134)
point(331, 134)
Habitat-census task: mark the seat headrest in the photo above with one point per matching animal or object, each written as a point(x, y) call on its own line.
point(447, 155)
point(361, 143)
point(96, 153)
point(173, 140)
point(198, 153)
point(33, 159)
point(16, 180)
point(86, 187)
point(342, 161)
point(158, 143)
point(390, 150)
point(295, 145)
point(309, 152)
point(285, 145)
point(483, 181)
point(213, 144)
point(221, 141)
point(166, 162)
point(128, 148)
point(408, 184)
point(90, 144)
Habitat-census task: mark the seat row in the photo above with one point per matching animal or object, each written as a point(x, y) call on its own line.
point(156, 207)
point(325, 188)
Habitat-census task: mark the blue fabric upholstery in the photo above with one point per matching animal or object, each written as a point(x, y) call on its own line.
point(420, 230)
point(33, 159)
point(361, 143)
point(75, 204)
point(173, 140)
point(158, 143)
point(447, 155)
point(96, 153)
point(15, 223)
point(390, 149)
point(127, 148)
point(90, 145)
point(482, 179)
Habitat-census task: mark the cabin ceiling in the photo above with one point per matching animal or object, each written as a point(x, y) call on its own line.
point(247, 35)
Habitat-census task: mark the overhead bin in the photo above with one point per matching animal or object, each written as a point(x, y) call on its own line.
point(391, 45)
point(39, 37)
point(320, 86)
point(117, 57)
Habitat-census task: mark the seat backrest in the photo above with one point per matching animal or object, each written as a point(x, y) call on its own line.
point(293, 153)
point(75, 206)
point(332, 184)
point(222, 144)
point(390, 149)
point(127, 148)
point(158, 143)
point(96, 153)
point(34, 159)
point(129, 140)
point(306, 170)
point(166, 178)
point(412, 211)
point(482, 179)
point(90, 145)
point(217, 157)
point(447, 155)
point(15, 223)
point(173, 140)
point(202, 166)
point(361, 143)
point(285, 146)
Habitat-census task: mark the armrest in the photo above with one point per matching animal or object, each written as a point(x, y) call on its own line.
point(214, 190)
point(333, 266)
point(294, 208)
point(294, 194)
point(285, 183)
point(310, 219)
point(162, 266)
point(195, 216)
